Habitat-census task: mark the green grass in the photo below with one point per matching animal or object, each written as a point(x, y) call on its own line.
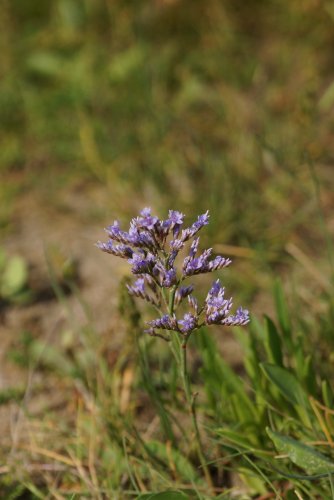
point(188, 105)
point(124, 430)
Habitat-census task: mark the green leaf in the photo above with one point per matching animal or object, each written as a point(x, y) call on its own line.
point(248, 440)
point(327, 393)
point(255, 484)
point(45, 64)
point(125, 63)
point(14, 277)
point(327, 99)
point(164, 495)
point(3, 258)
point(282, 310)
point(170, 455)
point(287, 384)
point(309, 376)
point(306, 457)
point(220, 380)
point(273, 342)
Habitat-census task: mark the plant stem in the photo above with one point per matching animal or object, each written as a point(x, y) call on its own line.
point(191, 400)
point(180, 353)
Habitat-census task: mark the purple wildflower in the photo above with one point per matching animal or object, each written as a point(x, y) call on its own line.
point(146, 220)
point(170, 278)
point(188, 323)
point(176, 221)
point(151, 247)
point(182, 293)
point(197, 265)
point(194, 248)
point(172, 257)
point(202, 220)
point(141, 264)
point(218, 263)
point(138, 286)
point(192, 301)
point(176, 245)
point(217, 308)
point(166, 322)
point(123, 251)
point(239, 319)
point(115, 233)
point(138, 290)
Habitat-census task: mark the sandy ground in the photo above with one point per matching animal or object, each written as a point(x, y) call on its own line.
point(39, 233)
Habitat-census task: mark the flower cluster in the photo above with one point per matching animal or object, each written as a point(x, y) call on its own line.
point(151, 246)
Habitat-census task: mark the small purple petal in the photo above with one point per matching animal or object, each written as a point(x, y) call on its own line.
point(182, 293)
point(141, 264)
point(118, 250)
point(197, 265)
point(176, 217)
point(169, 278)
point(202, 220)
point(194, 248)
point(166, 322)
point(176, 244)
point(146, 212)
point(193, 303)
point(188, 323)
point(219, 263)
point(239, 319)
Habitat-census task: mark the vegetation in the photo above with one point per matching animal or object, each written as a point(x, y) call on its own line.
point(109, 106)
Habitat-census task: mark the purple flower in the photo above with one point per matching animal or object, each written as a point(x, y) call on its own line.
point(176, 217)
point(218, 263)
point(166, 322)
point(171, 258)
point(182, 293)
point(202, 220)
point(115, 233)
point(118, 250)
point(146, 220)
point(176, 220)
point(138, 287)
point(146, 212)
point(194, 248)
point(193, 303)
point(138, 290)
point(239, 319)
point(169, 278)
point(141, 264)
point(217, 308)
point(151, 247)
point(176, 245)
point(197, 265)
point(188, 323)
point(215, 291)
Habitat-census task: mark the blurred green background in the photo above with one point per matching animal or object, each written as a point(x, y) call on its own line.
point(108, 106)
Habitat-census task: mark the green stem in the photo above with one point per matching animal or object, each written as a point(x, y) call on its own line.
point(191, 400)
point(180, 352)
point(172, 300)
